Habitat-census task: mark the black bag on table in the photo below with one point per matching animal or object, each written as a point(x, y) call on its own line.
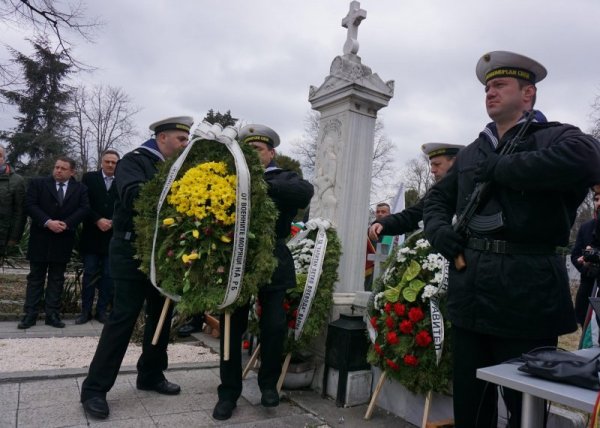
point(562, 366)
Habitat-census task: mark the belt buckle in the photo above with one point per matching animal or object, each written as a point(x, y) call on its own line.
point(498, 247)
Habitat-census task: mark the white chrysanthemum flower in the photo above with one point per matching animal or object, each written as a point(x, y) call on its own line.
point(429, 291)
point(422, 243)
point(377, 300)
point(387, 274)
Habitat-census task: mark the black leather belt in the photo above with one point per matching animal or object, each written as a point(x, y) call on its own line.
point(504, 247)
point(127, 236)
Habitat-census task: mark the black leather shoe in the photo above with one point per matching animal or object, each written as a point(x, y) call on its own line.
point(54, 321)
point(163, 387)
point(83, 318)
point(101, 317)
point(27, 321)
point(223, 410)
point(270, 398)
point(96, 407)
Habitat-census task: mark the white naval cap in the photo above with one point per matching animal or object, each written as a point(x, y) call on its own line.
point(509, 64)
point(438, 149)
point(179, 123)
point(258, 134)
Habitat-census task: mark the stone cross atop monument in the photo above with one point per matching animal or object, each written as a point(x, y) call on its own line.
point(351, 22)
point(348, 101)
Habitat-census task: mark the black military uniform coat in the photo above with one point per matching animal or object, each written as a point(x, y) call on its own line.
point(41, 203)
point(538, 189)
point(132, 286)
point(290, 193)
point(102, 205)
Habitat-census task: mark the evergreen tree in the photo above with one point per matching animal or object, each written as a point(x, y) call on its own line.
point(286, 162)
point(38, 138)
point(222, 119)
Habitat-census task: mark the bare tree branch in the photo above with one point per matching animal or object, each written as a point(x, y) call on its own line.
point(595, 131)
point(102, 119)
point(43, 16)
point(383, 153)
point(417, 175)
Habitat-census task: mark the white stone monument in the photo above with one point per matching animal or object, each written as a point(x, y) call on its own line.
point(348, 101)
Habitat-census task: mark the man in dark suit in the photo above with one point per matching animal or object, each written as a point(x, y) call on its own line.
point(56, 205)
point(95, 237)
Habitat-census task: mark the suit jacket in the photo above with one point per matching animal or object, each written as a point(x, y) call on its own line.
point(102, 205)
point(41, 204)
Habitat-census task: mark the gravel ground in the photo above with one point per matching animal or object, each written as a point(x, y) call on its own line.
point(77, 352)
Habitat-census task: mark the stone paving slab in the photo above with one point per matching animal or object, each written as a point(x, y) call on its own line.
point(51, 398)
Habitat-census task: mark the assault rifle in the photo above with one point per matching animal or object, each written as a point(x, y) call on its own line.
point(482, 191)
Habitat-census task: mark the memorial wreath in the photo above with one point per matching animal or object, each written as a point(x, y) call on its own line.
point(298, 304)
point(194, 243)
point(406, 322)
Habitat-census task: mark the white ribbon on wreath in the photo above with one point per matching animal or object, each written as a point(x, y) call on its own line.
point(437, 319)
point(207, 131)
point(314, 269)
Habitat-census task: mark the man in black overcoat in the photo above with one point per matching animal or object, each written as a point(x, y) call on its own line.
point(289, 192)
point(513, 295)
point(589, 272)
point(132, 287)
point(56, 205)
point(95, 237)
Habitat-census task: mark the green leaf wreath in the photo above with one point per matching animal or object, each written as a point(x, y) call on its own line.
point(323, 299)
point(401, 317)
point(194, 243)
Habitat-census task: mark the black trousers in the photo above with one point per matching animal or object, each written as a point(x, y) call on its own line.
point(476, 401)
point(129, 298)
point(273, 328)
point(35, 287)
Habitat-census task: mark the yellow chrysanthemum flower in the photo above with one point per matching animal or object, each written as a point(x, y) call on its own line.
point(168, 221)
point(205, 190)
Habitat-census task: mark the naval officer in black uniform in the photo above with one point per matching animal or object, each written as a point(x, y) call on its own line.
point(441, 158)
point(290, 193)
point(132, 287)
point(513, 295)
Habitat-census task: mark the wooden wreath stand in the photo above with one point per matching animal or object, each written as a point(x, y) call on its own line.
point(210, 320)
point(161, 321)
point(252, 363)
point(426, 408)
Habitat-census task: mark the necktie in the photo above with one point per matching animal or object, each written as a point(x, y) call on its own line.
point(108, 181)
point(61, 193)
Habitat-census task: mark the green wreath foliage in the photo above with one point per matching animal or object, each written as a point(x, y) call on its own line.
point(323, 299)
point(202, 282)
point(401, 317)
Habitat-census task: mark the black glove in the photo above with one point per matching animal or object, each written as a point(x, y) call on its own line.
point(448, 242)
point(485, 168)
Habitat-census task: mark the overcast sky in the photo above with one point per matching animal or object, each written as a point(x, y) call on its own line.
point(258, 58)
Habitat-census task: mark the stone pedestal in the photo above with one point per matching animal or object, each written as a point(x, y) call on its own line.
point(348, 101)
